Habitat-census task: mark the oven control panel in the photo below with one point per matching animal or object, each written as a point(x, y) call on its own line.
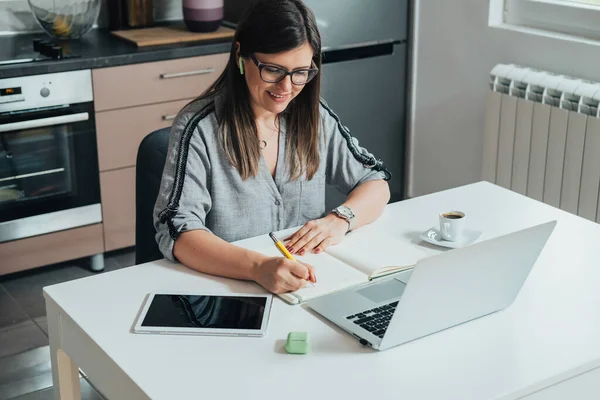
point(47, 90)
point(10, 94)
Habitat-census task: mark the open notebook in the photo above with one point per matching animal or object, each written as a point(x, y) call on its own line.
point(361, 256)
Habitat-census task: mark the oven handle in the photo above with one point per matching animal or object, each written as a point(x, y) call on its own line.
point(39, 123)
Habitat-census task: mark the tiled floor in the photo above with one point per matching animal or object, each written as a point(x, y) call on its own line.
point(25, 372)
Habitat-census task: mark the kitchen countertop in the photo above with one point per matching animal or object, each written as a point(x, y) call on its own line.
point(99, 49)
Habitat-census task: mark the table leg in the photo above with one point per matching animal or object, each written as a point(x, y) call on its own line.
point(65, 373)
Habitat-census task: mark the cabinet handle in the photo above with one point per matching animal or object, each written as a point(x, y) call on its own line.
point(169, 117)
point(188, 73)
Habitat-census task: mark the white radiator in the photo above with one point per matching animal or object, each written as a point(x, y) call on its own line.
point(542, 138)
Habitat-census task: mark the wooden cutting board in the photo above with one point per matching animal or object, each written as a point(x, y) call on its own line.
point(170, 34)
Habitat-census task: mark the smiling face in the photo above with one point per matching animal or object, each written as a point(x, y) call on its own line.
point(275, 97)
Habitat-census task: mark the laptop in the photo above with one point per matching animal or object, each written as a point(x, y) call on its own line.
point(439, 292)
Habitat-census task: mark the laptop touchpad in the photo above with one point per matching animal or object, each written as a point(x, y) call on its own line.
point(383, 291)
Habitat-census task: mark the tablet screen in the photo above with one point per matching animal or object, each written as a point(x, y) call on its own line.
point(219, 312)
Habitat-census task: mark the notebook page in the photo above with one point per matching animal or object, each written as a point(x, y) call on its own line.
point(332, 275)
point(368, 251)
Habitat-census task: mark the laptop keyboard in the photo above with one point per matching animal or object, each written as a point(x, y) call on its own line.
point(375, 320)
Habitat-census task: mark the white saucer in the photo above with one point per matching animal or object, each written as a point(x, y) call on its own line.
point(434, 236)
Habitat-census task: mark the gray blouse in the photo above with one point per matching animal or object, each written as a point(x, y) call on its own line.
point(201, 190)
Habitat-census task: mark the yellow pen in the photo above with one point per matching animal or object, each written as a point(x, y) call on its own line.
point(285, 251)
point(281, 247)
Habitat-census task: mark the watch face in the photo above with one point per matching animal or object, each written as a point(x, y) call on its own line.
point(345, 211)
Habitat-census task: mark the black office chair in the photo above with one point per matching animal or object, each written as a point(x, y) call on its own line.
point(151, 157)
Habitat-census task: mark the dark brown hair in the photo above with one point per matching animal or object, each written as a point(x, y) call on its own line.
point(271, 26)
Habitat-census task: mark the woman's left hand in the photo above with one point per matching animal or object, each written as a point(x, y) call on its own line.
point(317, 235)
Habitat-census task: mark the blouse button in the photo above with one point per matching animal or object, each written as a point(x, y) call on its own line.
point(277, 203)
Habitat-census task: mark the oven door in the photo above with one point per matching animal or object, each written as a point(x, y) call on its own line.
point(49, 177)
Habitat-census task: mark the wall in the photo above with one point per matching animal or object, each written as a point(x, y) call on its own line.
point(16, 17)
point(454, 53)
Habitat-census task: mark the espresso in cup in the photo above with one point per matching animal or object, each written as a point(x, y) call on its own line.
point(453, 215)
point(452, 225)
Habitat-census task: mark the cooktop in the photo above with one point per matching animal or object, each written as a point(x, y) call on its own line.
point(37, 50)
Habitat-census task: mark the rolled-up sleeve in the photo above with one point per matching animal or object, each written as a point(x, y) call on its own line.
point(184, 199)
point(348, 164)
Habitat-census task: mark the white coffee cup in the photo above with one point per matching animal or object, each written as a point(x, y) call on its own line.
point(452, 225)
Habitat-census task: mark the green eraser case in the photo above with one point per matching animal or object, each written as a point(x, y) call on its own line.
point(297, 343)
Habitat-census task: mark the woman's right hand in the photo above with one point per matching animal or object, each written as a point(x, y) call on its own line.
point(280, 275)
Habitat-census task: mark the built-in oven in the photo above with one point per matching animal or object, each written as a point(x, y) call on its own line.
point(49, 178)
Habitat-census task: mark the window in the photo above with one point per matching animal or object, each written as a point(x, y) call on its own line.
point(575, 17)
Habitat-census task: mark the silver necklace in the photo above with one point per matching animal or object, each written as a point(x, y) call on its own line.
point(264, 143)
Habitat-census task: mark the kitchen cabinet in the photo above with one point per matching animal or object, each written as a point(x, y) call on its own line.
point(156, 82)
point(118, 207)
point(130, 102)
point(119, 132)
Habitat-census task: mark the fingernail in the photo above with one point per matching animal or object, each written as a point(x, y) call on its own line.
point(301, 252)
point(317, 251)
point(291, 251)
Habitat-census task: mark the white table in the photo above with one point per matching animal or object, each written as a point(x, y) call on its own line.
point(550, 334)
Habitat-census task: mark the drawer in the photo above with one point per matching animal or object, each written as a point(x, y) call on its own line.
point(120, 132)
point(155, 82)
point(36, 251)
point(118, 208)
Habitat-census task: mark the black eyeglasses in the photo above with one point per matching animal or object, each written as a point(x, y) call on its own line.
point(273, 74)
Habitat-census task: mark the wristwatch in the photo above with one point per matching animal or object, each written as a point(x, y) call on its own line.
point(345, 213)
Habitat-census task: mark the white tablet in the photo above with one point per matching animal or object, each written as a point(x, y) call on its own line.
point(231, 314)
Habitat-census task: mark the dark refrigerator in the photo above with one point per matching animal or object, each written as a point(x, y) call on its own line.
point(364, 80)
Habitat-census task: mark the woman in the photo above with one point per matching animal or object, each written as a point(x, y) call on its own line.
point(254, 153)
